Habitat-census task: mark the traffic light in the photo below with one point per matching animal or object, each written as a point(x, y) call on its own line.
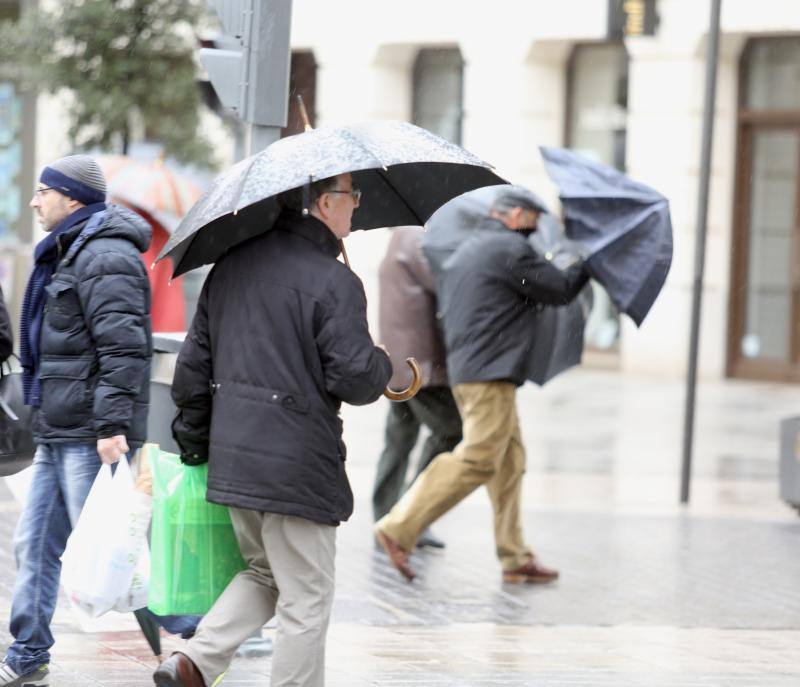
point(249, 69)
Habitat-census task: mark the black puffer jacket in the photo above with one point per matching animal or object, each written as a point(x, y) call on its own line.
point(488, 293)
point(6, 335)
point(280, 337)
point(96, 344)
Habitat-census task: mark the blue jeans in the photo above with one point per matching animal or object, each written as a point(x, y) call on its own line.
point(62, 477)
point(63, 474)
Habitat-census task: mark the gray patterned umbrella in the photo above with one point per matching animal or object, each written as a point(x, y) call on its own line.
point(404, 172)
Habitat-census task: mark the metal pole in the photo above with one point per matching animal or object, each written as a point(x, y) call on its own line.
point(712, 57)
point(261, 136)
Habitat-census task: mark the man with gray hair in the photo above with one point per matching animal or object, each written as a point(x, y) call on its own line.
point(489, 291)
point(85, 346)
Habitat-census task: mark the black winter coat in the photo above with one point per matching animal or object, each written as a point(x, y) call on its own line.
point(278, 341)
point(488, 293)
point(6, 335)
point(96, 344)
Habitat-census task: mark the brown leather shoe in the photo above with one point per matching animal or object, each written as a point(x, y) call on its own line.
point(530, 573)
point(178, 671)
point(397, 554)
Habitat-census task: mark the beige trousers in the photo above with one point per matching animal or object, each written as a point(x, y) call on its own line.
point(290, 574)
point(490, 453)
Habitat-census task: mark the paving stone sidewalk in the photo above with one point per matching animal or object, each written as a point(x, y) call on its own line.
point(651, 594)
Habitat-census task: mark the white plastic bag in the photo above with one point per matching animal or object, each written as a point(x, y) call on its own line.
point(102, 553)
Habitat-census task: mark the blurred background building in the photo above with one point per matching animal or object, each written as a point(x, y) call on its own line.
point(619, 80)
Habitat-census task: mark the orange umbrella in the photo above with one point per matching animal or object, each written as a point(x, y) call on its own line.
point(162, 197)
point(150, 185)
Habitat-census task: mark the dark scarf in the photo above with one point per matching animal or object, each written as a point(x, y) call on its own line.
point(46, 256)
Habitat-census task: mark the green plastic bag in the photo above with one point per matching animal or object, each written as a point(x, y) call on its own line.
point(194, 553)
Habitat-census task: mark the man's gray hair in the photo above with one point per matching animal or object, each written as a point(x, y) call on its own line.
point(517, 197)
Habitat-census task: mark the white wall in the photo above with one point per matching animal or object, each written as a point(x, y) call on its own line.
point(514, 99)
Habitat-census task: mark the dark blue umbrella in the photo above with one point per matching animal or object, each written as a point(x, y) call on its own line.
point(558, 343)
point(621, 225)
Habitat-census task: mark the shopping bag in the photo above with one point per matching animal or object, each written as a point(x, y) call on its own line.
point(101, 556)
point(194, 552)
point(16, 438)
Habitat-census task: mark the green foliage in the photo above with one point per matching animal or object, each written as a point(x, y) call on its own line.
point(128, 63)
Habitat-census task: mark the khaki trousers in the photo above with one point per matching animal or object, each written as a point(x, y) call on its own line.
point(290, 574)
point(491, 453)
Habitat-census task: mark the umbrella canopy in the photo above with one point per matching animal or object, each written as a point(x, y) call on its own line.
point(456, 221)
point(558, 342)
point(622, 226)
point(557, 337)
point(150, 185)
point(404, 172)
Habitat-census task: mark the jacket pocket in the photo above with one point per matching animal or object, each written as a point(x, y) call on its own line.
point(63, 307)
point(67, 397)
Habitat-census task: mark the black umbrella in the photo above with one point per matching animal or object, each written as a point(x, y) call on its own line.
point(558, 343)
point(150, 629)
point(557, 338)
point(405, 174)
point(622, 226)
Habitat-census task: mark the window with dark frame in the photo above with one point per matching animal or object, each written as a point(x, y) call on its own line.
point(596, 126)
point(438, 92)
point(303, 82)
point(764, 300)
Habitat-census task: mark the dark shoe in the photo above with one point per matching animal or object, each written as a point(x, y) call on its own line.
point(36, 678)
point(178, 671)
point(530, 573)
point(428, 539)
point(397, 554)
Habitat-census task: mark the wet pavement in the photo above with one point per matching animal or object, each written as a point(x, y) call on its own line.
point(651, 593)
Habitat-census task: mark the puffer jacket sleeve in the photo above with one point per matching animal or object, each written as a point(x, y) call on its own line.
point(191, 387)
point(6, 335)
point(355, 370)
point(115, 298)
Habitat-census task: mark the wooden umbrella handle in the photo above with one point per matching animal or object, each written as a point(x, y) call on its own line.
point(413, 388)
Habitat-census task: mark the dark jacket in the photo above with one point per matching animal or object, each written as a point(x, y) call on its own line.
point(408, 324)
point(488, 292)
point(6, 335)
point(95, 343)
point(278, 341)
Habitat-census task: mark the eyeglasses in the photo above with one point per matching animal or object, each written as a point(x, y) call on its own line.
point(40, 191)
point(355, 194)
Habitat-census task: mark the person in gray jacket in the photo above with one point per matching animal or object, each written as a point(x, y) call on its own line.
point(488, 294)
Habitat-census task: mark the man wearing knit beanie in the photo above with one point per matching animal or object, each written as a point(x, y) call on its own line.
point(85, 347)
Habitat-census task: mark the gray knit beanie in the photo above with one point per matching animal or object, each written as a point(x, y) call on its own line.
point(76, 176)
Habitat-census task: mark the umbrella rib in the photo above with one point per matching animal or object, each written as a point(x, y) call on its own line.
point(385, 177)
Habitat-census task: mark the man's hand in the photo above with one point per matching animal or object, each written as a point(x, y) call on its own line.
point(112, 449)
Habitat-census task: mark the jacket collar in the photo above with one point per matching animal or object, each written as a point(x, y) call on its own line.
point(312, 229)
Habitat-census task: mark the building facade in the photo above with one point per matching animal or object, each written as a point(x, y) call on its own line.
point(505, 77)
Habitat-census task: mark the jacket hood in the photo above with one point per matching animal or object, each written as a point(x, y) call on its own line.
point(117, 222)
